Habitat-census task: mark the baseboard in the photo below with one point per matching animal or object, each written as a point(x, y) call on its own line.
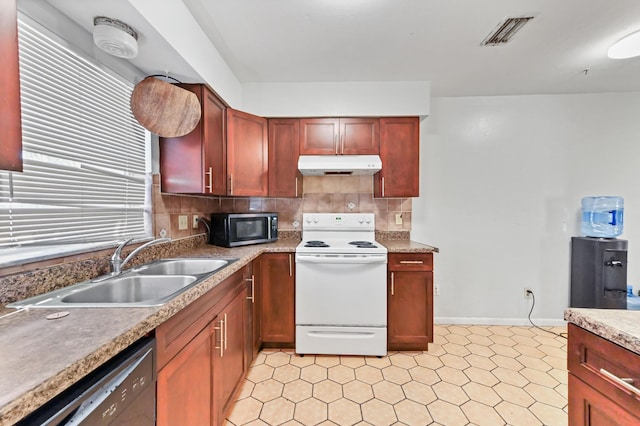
point(545, 322)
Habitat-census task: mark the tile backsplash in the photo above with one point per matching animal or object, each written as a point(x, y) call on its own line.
point(321, 194)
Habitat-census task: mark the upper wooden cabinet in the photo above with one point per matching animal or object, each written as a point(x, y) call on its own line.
point(285, 179)
point(339, 136)
point(11, 144)
point(196, 163)
point(247, 154)
point(400, 154)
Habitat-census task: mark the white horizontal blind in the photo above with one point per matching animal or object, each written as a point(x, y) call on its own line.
point(83, 151)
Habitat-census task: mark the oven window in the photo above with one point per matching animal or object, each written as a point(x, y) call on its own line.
point(249, 229)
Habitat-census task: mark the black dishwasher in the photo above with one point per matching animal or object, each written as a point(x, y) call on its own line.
point(122, 392)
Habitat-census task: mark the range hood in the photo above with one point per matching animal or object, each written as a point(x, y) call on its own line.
point(339, 165)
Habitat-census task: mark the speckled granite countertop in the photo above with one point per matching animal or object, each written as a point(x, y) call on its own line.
point(619, 326)
point(40, 358)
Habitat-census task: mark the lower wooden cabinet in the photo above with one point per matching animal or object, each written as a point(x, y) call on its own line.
point(598, 370)
point(277, 298)
point(410, 301)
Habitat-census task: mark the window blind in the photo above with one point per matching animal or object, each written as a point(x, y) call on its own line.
point(84, 153)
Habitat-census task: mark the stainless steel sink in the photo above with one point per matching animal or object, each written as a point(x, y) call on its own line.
point(153, 284)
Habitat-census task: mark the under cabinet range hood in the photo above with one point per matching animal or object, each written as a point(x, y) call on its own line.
point(339, 165)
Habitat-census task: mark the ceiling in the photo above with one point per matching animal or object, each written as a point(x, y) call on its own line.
point(409, 40)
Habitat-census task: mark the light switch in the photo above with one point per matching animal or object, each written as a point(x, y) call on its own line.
point(183, 222)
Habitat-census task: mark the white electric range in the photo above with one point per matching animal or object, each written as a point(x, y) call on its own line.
point(341, 286)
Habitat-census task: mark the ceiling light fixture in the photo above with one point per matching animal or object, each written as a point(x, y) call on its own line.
point(627, 47)
point(505, 31)
point(115, 37)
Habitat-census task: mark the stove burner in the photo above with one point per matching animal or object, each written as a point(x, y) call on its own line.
point(316, 244)
point(363, 244)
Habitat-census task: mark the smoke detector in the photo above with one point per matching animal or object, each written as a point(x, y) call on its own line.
point(505, 31)
point(115, 37)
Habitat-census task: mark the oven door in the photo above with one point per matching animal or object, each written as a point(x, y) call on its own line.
point(341, 290)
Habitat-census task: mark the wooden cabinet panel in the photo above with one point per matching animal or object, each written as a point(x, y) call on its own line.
point(11, 144)
point(400, 155)
point(196, 163)
point(337, 136)
point(588, 407)
point(410, 302)
point(247, 154)
point(284, 149)
point(184, 385)
point(252, 317)
point(277, 288)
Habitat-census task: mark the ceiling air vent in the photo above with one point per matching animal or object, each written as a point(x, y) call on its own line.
point(505, 31)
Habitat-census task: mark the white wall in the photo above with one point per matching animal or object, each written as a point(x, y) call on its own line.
point(501, 184)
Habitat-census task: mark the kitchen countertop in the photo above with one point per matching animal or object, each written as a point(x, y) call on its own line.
point(618, 326)
point(39, 358)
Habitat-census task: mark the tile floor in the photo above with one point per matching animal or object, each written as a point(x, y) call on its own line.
point(482, 375)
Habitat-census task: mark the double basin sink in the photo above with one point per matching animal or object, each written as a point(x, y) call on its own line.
point(152, 284)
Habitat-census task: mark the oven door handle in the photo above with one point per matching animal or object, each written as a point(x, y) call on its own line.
point(341, 259)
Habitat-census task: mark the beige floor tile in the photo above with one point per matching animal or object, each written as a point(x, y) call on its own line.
point(435, 349)
point(559, 363)
point(482, 393)
point(257, 422)
point(396, 375)
point(534, 363)
point(412, 413)
point(507, 362)
point(452, 375)
point(388, 392)
point(456, 349)
point(247, 388)
point(327, 360)
point(428, 360)
point(458, 339)
point(563, 390)
point(344, 412)
point(378, 362)
point(277, 359)
point(267, 390)
point(419, 392)
point(549, 415)
point(352, 361)
point(378, 413)
point(514, 394)
point(526, 340)
point(539, 377)
point(260, 373)
point(277, 411)
point(292, 423)
point(313, 373)
point(479, 339)
point(424, 375)
point(481, 362)
point(369, 374)
point(259, 359)
point(503, 340)
point(475, 348)
point(480, 330)
point(504, 350)
point(549, 340)
point(481, 415)
point(245, 410)
point(553, 351)
point(459, 330)
point(516, 415)
point(297, 391)
point(357, 391)
point(561, 376)
point(403, 360)
point(501, 330)
point(522, 331)
point(447, 414)
point(545, 395)
point(481, 376)
point(450, 393)
point(311, 412)
point(302, 361)
point(529, 351)
point(341, 374)
point(286, 373)
point(455, 361)
point(327, 391)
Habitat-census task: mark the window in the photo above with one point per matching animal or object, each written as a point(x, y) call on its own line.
point(84, 181)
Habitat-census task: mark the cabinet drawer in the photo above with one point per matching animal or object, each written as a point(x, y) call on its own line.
point(590, 357)
point(411, 261)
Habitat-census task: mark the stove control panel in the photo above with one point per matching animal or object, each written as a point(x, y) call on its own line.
point(338, 221)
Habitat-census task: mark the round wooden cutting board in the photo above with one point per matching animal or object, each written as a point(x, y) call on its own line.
point(165, 109)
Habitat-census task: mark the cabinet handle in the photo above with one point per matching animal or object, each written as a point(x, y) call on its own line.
point(625, 382)
point(225, 332)
point(296, 186)
point(221, 347)
point(290, 267)
point(412, 262)
point(393, 284)
point(210, 173)
point(230, 184)
point(335, 143)
point(253, 288)
point(383, 186)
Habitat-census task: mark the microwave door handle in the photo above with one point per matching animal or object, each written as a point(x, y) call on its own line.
point(269, 227)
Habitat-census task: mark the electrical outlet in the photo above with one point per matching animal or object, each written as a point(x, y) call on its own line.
point(527, 293)
point(398, 218)
point(196, 220)
point(436, 289)
point(183, 222)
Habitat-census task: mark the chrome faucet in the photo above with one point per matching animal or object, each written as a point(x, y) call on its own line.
point(116, 261)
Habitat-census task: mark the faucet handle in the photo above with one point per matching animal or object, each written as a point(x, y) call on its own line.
point(121, 246)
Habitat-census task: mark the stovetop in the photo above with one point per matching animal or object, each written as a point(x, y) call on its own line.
point(339, 233)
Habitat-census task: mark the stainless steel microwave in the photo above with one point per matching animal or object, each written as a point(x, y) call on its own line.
point(239, 229)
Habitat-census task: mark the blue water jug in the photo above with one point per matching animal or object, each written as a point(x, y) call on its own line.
point(602, 216)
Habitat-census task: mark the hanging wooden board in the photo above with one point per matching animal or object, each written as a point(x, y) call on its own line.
point(162, 108)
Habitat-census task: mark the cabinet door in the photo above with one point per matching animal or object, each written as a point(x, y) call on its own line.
point(184, 388)
point(359, 136)
point(284, 149)
point(400, 155)
point(228, 355)
point(410, 310)
point(11, 144)
point(588, 407)
point(196, 163)
point(319, 136)
point(247, 154)
point(278, 298)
